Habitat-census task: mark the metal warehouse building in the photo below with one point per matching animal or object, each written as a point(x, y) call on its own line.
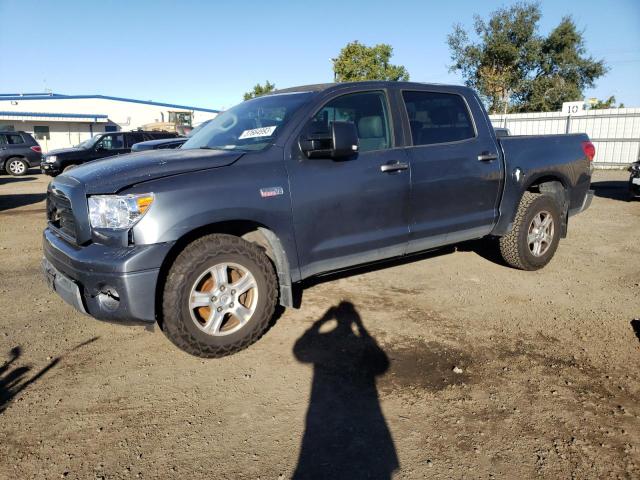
point(59, 121)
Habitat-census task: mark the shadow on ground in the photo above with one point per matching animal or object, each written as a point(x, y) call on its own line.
point(8, 202)
point(486, 248)
point(635, 324)
point(346, 435)
point(15, 379)
point(9, 179)
point(613, 189)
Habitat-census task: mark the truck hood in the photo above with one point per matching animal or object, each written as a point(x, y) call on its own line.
point(67, 152)
point(112, 174)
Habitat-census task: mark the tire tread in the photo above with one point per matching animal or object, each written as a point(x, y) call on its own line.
point(510, 247)
point(176, 330)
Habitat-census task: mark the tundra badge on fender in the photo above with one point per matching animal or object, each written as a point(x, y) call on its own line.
point(271, 192)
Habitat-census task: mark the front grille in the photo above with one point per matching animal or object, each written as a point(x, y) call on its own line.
point(60, 214)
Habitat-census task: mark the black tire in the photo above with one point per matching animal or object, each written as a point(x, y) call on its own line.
point(515, 248)
point(177, 322)
point(16, 167)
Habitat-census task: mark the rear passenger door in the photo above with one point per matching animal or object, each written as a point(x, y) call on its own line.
point(455, 166)
point(351, 211)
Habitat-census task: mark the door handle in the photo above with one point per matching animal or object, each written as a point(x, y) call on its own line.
point(487, 157)
point(394, 167)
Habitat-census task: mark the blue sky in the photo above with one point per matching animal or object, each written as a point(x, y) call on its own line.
point(208, 53)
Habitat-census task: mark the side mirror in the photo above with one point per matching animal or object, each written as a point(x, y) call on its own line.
point(345, 139)
point(342, 142)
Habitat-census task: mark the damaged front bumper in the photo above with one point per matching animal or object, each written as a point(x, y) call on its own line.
point(109, 283)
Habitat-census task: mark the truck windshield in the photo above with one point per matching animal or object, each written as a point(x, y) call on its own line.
point(89, 142)
point(250, 126)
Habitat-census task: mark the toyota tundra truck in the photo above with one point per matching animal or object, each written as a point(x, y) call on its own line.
point(206, 240)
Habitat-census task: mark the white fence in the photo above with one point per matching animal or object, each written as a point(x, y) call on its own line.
point(614, 132)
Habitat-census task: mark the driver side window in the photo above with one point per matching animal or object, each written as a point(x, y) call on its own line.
point(111, 142)
point(366, 110)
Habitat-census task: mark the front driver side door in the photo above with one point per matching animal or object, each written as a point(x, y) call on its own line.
point(109, 145)
point(348, 212)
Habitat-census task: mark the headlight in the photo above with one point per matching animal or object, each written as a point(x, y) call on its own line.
point(51, 159)
point(118, 212)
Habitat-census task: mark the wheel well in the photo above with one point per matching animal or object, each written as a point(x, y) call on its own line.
point(554, 187)
point(535, 185)
point(250, 231)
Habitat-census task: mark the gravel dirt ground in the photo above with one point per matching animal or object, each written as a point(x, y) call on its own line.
point(450, 365)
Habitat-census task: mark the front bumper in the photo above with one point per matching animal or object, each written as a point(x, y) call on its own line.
point(49, 169)
point(109, 283)
point(634, 186)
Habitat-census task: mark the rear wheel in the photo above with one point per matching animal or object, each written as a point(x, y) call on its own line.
point(16, 167)
point(219, 296)
point(534, 238)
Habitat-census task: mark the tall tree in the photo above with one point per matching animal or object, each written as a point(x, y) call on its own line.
point(358, 62)
point(516, 69)
point(260, 90)
point(608, 103)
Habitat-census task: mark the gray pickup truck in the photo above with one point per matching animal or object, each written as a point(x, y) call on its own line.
point(207, 239)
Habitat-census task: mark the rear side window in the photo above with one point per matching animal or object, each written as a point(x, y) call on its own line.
point(366, 110)
point(134, 138)
point(160, 135)
point(437, 117)
point(14, 139)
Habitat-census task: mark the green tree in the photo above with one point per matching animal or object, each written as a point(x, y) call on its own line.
point(358, 62)
point(260, 90)
point(516, 69)
point(608, 103)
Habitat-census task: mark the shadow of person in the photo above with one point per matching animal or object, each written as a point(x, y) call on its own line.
point(13, 380)
point(346, 435)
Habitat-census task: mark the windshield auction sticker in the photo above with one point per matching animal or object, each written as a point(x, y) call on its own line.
point(257, 132)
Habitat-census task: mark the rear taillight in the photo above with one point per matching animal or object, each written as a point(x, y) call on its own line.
point(36, 148)
point(589, 150)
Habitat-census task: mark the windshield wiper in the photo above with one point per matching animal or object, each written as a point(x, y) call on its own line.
point(222, 149)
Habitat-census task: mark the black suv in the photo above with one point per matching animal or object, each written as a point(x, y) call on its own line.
point(18, 152)
point(99, 146)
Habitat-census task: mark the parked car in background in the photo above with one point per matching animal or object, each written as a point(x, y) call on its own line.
point(634, 179)
point(99, 146)
point(207, 239)
point(18, 152)
point(502, 132)
point(166, 143)
point(163, 144)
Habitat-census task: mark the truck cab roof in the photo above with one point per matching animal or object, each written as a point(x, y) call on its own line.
point(320, 87)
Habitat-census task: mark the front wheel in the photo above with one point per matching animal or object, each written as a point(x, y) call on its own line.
point(534, 238)
point(219, 296)
point(16, 167)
